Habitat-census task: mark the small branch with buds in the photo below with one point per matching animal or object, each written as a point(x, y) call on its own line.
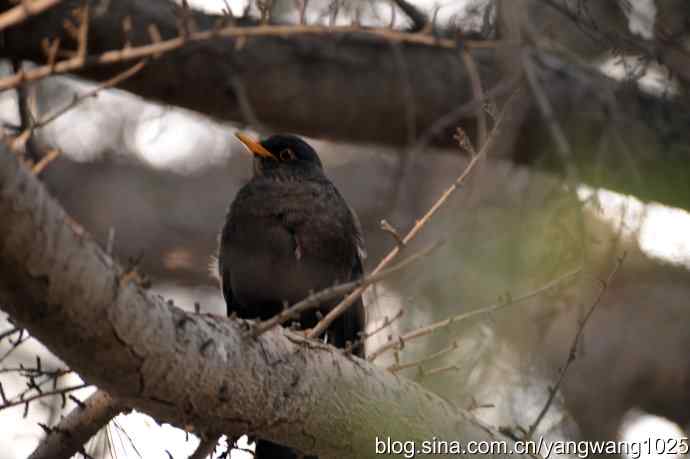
point(414, 231)
point(399, 343)
point(573, 348)
point(313, 301)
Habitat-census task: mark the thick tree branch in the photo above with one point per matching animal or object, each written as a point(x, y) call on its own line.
point(417, 16)
point(72, 432)
point(206, 447)
point(336, 87)
point(190, 369)
point(348, 86)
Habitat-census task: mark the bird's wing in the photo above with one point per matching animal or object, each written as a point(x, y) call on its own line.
point(224, 276)
point(359, 237)
point(355, 318)
point(357, 233)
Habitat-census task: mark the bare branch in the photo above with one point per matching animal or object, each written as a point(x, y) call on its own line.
point(73, 431)
point(352, 297)
point(45, 161)
point(316, 299)
point(418, 18)
point(22, 11)
point(159, 48)
point(206, 447)
point(562, 145)
point(77, 99)
point(431, 357)
point(27, 122)
point(390, 229)
point(27, 400)
point(478, 94)
point(387, 322)
point(330, 106)
point(573, 348)
point(400, 341)
point(15, 345)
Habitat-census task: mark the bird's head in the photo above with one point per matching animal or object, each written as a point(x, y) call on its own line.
point(282, 155)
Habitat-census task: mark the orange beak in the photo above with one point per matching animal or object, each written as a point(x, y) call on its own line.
point(254, 146)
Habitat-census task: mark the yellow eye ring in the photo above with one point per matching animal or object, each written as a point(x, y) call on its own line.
point(286, 155)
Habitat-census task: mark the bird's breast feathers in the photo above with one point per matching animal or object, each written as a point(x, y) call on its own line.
point(311, 214)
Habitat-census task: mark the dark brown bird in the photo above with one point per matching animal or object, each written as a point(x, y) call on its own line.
point(289, 232)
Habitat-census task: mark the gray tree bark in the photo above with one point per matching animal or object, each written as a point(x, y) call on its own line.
point(74, 430)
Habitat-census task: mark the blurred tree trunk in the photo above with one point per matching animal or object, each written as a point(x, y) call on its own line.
point(348, 86)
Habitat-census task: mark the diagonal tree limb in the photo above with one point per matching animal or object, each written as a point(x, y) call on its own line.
point(27, 124)
point(198, 371)
point(418, 17)
point(23, 11)
point(70, 435)
point(206, 447)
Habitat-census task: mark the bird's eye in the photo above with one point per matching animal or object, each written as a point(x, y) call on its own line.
point(286, 155)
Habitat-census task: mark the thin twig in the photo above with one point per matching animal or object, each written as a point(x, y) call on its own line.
point(14, 347)
point(114, 81)
point(431, 328)
point(27, 122)
point(438, 371)
point(390, 229)
point(352, 297)
point(478, 94)
point(615, 40)
point(61, 391)
point(22, 11)
point(313, 301)
point(33, 384)
point(160, 47)
point(245, 105)
point(418, 18)
point(128, 437)
point(206, 447)
point(418, 363)
point(407, 93)
point(414, 146)
point(68, 436)
point(47, 159)
point(451, 118)
point(573, 348)
point(563, 148)
point(387, 322)
point(82, 47)
point(36, 372)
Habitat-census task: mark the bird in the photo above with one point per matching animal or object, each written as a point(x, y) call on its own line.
point(288, 233)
